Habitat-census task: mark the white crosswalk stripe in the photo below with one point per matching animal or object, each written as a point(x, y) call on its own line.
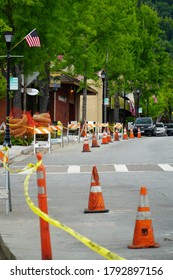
point(165, 166)
point(120, 168)
point(73, 169)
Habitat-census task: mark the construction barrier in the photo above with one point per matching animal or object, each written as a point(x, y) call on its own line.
point(58, 131)
point(40, 144)
point(101, 127)
point(73, 131)
point(92, 127)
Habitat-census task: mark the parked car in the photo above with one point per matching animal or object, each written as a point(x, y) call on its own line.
point(160, 129)
point(146, 125)
point(169, 128)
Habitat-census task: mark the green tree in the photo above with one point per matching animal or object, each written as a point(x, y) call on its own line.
point(50, 25)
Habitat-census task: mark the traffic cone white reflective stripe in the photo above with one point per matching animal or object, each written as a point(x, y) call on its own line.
point(139, 133)
point(104, 138)
point(125, 136)
point(109, 140)
point(86, 147)
point(94, 141)
point(131, 133)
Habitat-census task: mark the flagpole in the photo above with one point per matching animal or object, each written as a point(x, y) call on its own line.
point(22, 39)
point(17, 43)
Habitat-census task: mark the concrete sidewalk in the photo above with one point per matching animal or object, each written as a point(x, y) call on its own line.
point(13, 221)
point(16, 241)
point(15, 152)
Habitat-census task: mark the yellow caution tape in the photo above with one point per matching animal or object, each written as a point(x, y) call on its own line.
point(29, 166)
point(87, 242)
point(5, 164)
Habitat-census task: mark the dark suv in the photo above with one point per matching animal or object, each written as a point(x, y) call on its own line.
point(146, 125)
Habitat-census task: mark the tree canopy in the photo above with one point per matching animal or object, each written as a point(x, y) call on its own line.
point(130, 39)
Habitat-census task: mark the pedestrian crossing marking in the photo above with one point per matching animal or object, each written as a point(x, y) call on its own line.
point(104, 168)
point(165, 166)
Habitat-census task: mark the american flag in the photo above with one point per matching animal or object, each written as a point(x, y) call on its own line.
point(33, 39)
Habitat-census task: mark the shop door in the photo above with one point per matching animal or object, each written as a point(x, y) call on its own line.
point(71, 112)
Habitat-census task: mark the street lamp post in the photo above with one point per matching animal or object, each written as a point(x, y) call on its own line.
point(124, 115)
point(7, 140)
point(103, 77)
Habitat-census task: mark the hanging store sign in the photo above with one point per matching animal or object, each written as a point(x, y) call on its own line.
point(106, 101)
point(55, 81)
point(13, 83)
point(62, 99)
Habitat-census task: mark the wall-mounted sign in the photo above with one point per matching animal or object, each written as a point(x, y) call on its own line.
point(32, 91)
point(62, 99)
point(13, 83)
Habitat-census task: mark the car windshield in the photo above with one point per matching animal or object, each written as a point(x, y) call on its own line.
point(159, 124)
point(143, 121)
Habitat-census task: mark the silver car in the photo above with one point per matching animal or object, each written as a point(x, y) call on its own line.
point(160, 129)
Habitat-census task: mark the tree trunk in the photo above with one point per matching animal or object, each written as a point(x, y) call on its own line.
point(84, 107)
point(116, 107)
point(17, 95)
point(44, 92)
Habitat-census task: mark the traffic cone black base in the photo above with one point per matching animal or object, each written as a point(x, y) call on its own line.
point(96, 211)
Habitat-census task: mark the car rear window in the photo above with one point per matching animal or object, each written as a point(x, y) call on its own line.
point(143, 121)
point(169, 125)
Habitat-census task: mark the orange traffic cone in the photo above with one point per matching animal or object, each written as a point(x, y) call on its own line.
point(94, 141)
point(109, 140)
point(96, 201)
point(139, 133)
point(125, 136)
point(143, 233)
point(131, 133)
point(86, 147)
point(116, 135)
point(104, 138)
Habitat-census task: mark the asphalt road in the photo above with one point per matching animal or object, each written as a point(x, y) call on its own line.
point(123, 168)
